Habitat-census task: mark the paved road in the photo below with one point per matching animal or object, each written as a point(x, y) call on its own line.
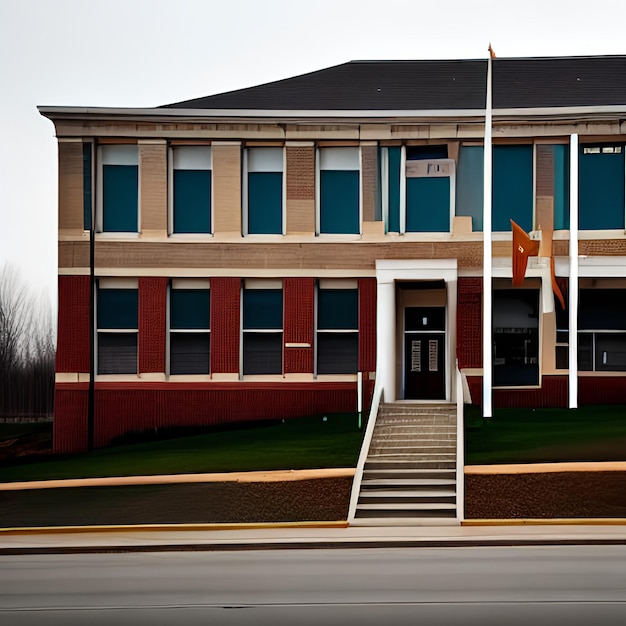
point(500, 586)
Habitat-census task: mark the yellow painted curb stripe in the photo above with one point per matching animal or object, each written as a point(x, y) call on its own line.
point(166, 527)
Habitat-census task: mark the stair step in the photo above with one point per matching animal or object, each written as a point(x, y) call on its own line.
point(391, 515)
point(408, 506)
point(406, 482)
point(408, 494)
point(426, 449)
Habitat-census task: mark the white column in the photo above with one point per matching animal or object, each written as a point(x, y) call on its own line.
point(573, 273)
point(487, 261)
point(386, 338)
point(452, 391)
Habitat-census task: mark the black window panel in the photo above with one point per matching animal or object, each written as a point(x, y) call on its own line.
point(262, 353)
point(610, 352)
point(338, 309)
point(562, 357)
point(585, 352)
point(415, 153)
point(424, 318)
point(337, 353)
point(602, 309)
point(263, 308)
point(189, 353)
point(118, 308)
point(117, 353)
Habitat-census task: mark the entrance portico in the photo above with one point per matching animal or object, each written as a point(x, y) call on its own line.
point(416, 329)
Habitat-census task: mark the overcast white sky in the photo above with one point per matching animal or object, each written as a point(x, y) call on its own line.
point(149, 52)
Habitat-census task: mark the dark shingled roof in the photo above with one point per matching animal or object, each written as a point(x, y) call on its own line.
point(436, 85)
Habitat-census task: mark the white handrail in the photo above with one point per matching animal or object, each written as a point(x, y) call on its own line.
point(365, 446)
point(460, 447)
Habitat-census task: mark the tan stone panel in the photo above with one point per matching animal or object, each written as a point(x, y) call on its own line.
point(548, 341)
point(303, 131)
point(375, 131)
point(358, 255)
point(369, 173)
point(71, 186)
point(300, 217)
point(443, 131)
point(227, 188)
point(153, 186)
point(373, 229)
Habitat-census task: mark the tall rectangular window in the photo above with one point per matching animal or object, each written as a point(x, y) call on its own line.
point(87, 184)
point(429, 173)
point(262, 329)
point(512, 187)
point(263, 202)
point(391, 162)
point(190, 332)
point(117, 324)
point(469, 185)
point(339, 191)
point(337, 329)
point(601, 187)
point(191, 193)
point(120, 189)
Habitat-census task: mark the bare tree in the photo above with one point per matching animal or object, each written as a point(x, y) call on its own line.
point(27, 349)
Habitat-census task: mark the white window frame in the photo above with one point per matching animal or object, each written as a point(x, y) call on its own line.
point(203, 284)
point(115, 283)
point(115, 154)
point(328, 284)
point(187, 155)
point(271, 165)
point(249, 284)
point(343, 160)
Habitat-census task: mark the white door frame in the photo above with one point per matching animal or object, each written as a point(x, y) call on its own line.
point(387, 273)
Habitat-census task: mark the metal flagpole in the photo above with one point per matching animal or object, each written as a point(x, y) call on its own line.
point(487, 260)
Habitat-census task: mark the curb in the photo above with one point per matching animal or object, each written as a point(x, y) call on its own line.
point(313, 545)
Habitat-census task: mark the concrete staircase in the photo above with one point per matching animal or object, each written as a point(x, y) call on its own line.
point(409, 477)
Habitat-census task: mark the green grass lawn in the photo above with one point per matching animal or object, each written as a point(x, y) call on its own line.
point(546, 435)
point(297, 443)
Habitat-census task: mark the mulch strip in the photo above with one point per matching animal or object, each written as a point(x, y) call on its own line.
point(546, 495)
point(323, 499)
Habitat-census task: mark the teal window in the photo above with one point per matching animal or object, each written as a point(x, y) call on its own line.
point(87, 184)
point(263, 209)
point(120, 189)
point(339, 193)
point(469, 185)
point(512, 187)
point(601, 187)
point(191, 197)
point(392, 162)
point(117, 323)
point(428, 191)
point(561, 187)
point(190, 337)
point(337, 331)
point(262, 331)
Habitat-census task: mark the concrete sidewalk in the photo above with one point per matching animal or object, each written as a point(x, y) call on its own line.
point(266, 537)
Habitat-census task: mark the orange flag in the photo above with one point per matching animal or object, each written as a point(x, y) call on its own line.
point(523, 247)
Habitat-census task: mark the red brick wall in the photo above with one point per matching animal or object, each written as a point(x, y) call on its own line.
point(469, 334)
point(73, 325)
point(127, 407)
point(299, 297)
point(367, 324)
point(70, 418)
point(225, 297)
point(152, 305)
